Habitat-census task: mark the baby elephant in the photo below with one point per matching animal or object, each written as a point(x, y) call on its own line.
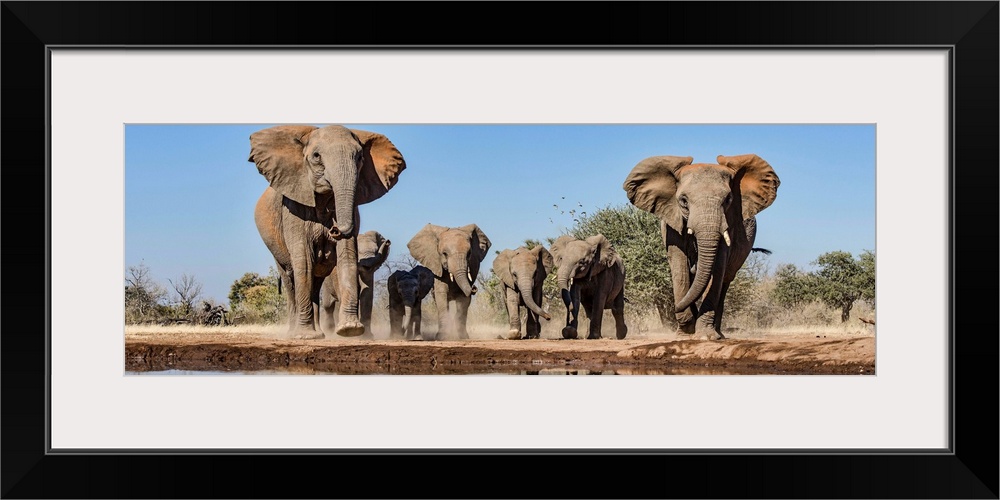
point(406, 290)
point(521, 274)
point(593, 274)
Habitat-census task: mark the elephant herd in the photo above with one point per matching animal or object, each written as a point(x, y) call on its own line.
point(308, 218)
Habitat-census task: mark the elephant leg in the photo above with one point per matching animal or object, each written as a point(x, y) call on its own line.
point(441, 302)
point(289, 290)
point(306, 299)
point(593, 305)
point(618, 311)
point(396, 326)
point(572, 312)
point(532, 325)
point(681, 277)
point(461, 315)
point(415, 319)
point(348, 322)
point(366, 297)
point(720, 308)
point(511, 299)
point(328, 305)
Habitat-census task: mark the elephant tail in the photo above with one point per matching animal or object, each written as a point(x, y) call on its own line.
point(279, 286)
point(761, 250)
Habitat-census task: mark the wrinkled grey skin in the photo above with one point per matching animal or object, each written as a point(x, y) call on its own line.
point(453, 254)
point(590, 272)
point(373, 250)
point(522, 273)
point(308, 216)
point(708, 223)
point(407, 290)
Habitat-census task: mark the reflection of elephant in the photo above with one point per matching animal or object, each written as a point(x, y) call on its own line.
point(453, 254)
point(308, 215)
point(407, 290)
point(592, 273)
point(521, 274)
point(699, 206)
point(373, 249)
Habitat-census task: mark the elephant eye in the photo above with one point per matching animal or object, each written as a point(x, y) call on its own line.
point(683, 200)
point(728, 200)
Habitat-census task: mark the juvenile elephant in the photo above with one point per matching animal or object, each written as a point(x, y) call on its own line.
point(522, 272)
point(590, 272)
point(373, 249)
point(453, 254)
point(708, 223)
point(308, 216)
point(407, 290)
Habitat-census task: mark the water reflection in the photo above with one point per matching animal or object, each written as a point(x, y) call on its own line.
point(466, 371)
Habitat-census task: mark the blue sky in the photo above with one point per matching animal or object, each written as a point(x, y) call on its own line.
point(190, 191)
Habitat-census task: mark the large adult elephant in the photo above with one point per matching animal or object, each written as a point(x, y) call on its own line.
point(453, 254)
point(522, 273)
point(308, 216)
point(590, 272)
point(708, 223)
point(373, 250)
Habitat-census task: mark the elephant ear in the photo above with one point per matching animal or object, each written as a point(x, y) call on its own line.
point(605, 254)
point(501, 267)
point(545, 260)
point(382, 163)
point(652, 183)
point(758, 182)
point(392, 285)
point(277, 152)
point(425, 280)
point(424, 247)
point(480, 243)
point(560, 244)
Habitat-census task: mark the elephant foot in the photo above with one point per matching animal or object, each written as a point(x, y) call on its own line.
point(594, 336)
point(513, 335)
point(532, 336)
point(569, 332)
point(350, 329)
point(621, 332)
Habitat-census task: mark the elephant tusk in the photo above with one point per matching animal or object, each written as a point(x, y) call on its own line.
point(451, 276)
point(571, 282)
point(690, 231)
point(469, 275)
point(725, 237)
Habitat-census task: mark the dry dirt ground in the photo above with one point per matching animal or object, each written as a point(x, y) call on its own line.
point(261, 351)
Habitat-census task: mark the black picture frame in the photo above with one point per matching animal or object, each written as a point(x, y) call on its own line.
point(968, 470)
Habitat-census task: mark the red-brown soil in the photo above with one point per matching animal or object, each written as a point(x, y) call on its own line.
point(846, 354)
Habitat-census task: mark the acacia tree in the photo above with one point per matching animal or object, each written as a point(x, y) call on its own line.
point(187, 290)
point(144, 297)
point(839, 282)
point(843, 280)
point(255, 299)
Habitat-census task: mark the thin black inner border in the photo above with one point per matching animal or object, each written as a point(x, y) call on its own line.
point(950, 252)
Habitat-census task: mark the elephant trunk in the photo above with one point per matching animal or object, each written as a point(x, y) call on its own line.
point(526, 287)
point(344, 179)
point(562, 279)
point(708, 243)
point(461, 278)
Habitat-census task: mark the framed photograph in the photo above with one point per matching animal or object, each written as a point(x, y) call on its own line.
point(151, 129)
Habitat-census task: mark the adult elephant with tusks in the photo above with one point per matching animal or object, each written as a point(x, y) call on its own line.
point(308, 216)
point(708, 224)
point(453, 254)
